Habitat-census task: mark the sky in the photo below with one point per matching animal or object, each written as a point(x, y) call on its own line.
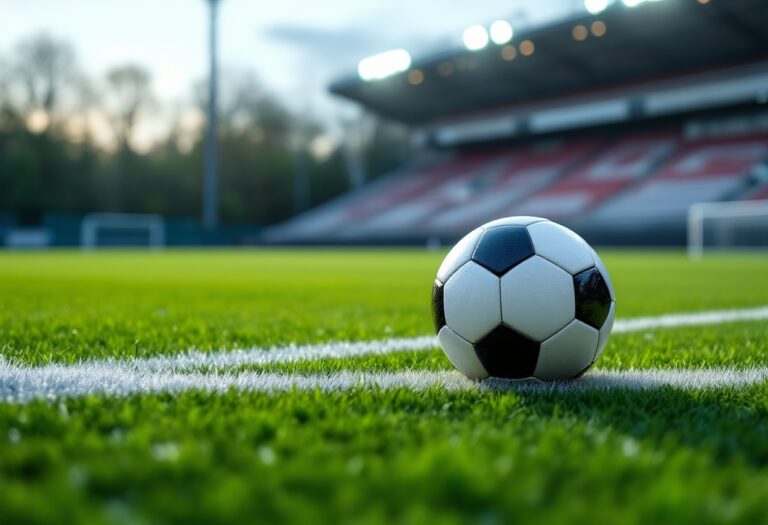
point(296, 47)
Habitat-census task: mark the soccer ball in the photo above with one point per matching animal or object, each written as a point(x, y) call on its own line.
point(523, 297)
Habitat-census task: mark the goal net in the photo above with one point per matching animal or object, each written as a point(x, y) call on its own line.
point(122, 230)
point(723, 226)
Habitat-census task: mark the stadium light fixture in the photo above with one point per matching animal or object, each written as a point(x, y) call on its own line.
point(595, 7)
point(415, 77)
point(383, 65)
point(475, 37)
point(598, 28)
point(579, 33)
point(527, 48)
point(501, 32)
point(508, 52)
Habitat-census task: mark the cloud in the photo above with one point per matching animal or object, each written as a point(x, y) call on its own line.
point(338, 46)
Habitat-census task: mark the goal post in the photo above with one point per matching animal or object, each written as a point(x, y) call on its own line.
point(122, 229)
point(738, 225)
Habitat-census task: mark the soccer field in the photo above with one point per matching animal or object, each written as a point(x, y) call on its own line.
point(236, 386)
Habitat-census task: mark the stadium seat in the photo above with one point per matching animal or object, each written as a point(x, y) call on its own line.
point(647, 176)
point(396, 202)
point(702, 171)
point(613, 170)
point(760, 193)
point(449, 184)
point(535, 168)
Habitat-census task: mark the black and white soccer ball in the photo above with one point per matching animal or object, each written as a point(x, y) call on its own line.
point(523, 297)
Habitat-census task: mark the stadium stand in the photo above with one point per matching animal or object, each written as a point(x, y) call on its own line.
point(616, 135)
point(447, 183)
point(445, 197)
point(759, 194)
point(640, 177)
point(703, 171)
point(621, 164)
point(536, 167)
point(396, 201)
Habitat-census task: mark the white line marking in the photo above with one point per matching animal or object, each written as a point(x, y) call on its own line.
point(222, 359)
point(690, 319)
point(21, 385)
point(283, 354)
point(165, 373)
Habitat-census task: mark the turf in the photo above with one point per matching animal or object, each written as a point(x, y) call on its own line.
point(368, 456)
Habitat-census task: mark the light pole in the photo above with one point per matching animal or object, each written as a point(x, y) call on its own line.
point(211, 154)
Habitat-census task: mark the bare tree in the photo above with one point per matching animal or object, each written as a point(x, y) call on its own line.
point(5, 102)
point(46, 75)
point(4, 80)
point(130, 93)
point(247, 108)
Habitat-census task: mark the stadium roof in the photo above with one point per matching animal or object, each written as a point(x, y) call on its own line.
point(653, 40)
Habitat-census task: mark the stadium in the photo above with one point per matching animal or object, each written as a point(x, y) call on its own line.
point(614, 123)
point(528, 284)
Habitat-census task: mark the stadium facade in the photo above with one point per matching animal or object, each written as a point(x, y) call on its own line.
point(614, 124)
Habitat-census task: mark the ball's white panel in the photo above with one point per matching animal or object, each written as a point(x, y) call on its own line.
point(459, 255)
point(604, 271)
point(568, 352)
point(537, 298)
point(605, 331)
point(471, 301)
point(461, 353)
point(522, 220)
point(561, 246)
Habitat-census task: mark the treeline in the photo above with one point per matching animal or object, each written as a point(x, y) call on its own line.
point(72, 144)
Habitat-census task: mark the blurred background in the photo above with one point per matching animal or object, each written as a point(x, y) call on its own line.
point(231, 122)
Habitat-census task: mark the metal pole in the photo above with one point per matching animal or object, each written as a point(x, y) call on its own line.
point(696, 231)
point(211, 154)
point(301, 184)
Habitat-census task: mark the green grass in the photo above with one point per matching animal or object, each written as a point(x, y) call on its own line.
point(368, 456)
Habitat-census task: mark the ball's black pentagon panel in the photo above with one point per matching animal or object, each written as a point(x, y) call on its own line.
point(593, 299)
point(502, 248)
point(438, 305)
point(508, 354)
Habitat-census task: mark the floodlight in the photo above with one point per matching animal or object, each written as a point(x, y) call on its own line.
point(527, 48)
point(415, 77)
point(501, 32)
point(632, 3)
point(384, 64)
point(595, 6)
point(579, 33)
point(598, 28)
point(475, 37)
point(508, 52)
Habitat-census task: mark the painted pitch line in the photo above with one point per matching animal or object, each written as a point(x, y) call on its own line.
point(193, 360)
point(22, 385)
point(690, 319)
point(177, 373)
point(222, 359)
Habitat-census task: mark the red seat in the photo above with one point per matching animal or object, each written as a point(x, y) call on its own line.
point(613, 170)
